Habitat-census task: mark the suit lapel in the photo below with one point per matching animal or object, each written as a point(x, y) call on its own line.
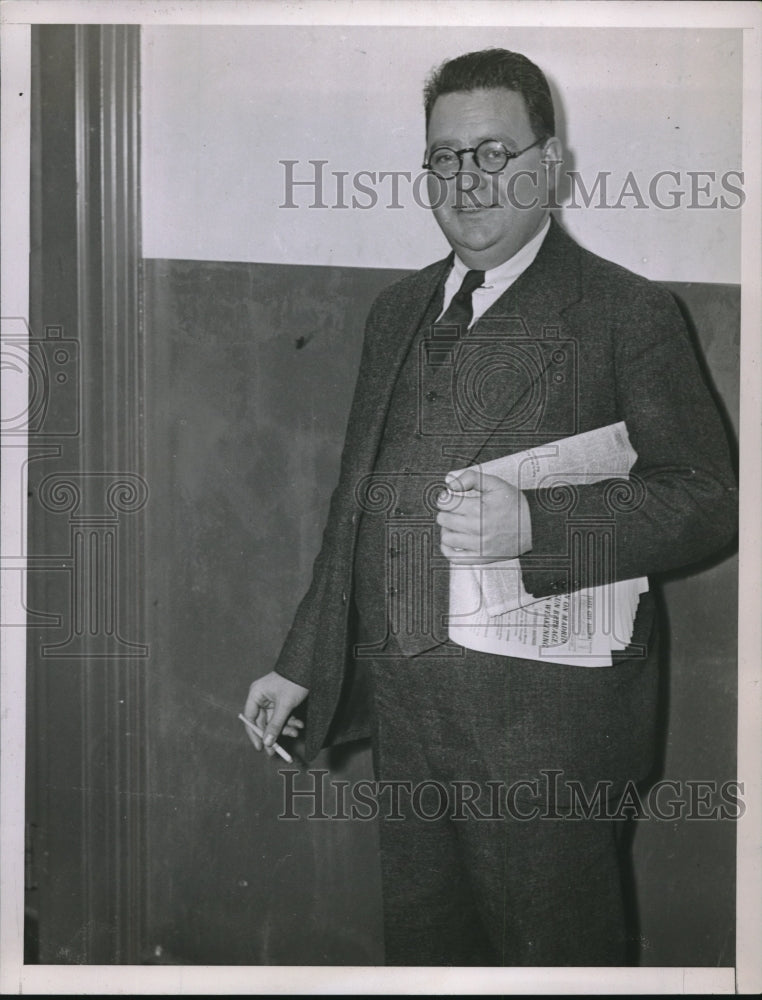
point(386, 354)
point(538, 299)
point(532, 307)
point(549, 285)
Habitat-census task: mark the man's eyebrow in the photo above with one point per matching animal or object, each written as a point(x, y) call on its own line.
point(500, 136)
point(447, 140)
point(452, 143)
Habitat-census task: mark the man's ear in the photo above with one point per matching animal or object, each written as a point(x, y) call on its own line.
point(552, 150)
point(552, 156)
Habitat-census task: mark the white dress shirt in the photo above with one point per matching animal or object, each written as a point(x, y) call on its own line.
point(497, 281)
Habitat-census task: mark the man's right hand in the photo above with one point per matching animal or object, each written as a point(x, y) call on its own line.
point(271, 701)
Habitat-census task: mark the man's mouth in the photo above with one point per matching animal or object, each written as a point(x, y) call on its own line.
point(473, 208)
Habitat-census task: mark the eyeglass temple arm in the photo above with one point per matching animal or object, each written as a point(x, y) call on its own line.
point(510, 155)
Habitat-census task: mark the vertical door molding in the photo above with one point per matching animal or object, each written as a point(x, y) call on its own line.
point(87, 496)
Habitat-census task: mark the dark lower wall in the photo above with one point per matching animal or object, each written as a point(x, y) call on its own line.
point(250, 375)
point(685, 870)
point(250, 372)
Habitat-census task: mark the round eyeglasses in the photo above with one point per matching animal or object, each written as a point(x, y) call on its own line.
point(491, 156)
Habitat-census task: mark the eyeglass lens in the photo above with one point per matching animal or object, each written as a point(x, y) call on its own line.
point(489, 156)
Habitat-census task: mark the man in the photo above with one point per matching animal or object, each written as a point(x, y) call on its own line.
point(517, 339)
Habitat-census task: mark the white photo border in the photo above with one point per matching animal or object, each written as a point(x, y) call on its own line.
point(746, 977)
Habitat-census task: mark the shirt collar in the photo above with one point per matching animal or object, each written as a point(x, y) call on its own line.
point(509, 269)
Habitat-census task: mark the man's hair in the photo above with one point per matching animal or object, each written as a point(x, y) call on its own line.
point(492, 69)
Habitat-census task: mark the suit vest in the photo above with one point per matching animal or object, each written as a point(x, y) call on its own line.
point(400, 575)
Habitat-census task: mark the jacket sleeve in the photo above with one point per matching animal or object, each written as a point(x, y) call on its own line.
point(680, 502)
point(296, 658)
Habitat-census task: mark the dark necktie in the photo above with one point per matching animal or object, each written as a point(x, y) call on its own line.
point(445, 333)
point(460, 310)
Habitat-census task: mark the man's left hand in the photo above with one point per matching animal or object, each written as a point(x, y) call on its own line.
point(483, 519)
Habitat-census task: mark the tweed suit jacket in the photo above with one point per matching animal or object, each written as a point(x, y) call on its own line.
point(625, 355)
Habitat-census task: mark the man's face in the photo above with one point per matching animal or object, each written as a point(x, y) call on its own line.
point(481, 213)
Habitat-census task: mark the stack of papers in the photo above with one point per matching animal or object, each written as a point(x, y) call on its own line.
point(491, 611)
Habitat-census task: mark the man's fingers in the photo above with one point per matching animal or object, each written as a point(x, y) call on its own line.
point(469, 479)
point(467, 558)
point(255, 711)
point(270, 702)
point(459, 540)
point(259, 710)
point(454, 499)
point(251, 708)
point(465, 508)
point(274, 727)
point(293, 727)
point(458, 551)
point(474, 479)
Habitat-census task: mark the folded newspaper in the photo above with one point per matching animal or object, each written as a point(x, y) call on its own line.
point(491, 611)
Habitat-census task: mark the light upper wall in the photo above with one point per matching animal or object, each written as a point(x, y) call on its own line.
point(221, 106)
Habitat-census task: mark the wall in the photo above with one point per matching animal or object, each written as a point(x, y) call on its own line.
point(246, 428)
point(222, 107)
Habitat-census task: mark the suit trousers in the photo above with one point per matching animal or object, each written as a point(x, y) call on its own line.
point(479, 868)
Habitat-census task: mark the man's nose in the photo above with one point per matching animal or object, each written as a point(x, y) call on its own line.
point(471, 178)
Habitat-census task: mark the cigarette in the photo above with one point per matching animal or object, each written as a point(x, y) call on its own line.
point(276, 746)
